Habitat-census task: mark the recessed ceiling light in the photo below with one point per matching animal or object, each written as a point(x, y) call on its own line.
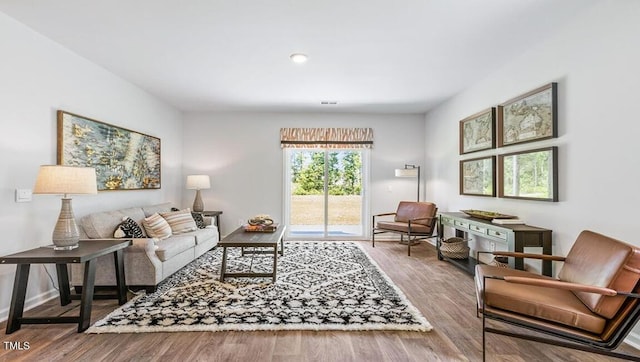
point(298, 58)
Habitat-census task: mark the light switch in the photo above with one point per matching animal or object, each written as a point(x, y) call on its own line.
point(23, 195)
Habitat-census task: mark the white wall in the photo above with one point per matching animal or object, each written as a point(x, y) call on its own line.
point(38, 77)
point(595, 61)
point(241, 152)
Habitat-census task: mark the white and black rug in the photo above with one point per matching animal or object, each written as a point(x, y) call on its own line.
point(320, 286)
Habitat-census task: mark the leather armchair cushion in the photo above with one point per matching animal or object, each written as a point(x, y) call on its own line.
point(408, 210)
point(602, 261)
point(404, 227)
point(554, 305)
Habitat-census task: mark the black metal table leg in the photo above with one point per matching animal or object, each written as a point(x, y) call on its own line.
point(18, 297)
point(275, 260)
point(223, 268)
point(120, 278)
point(87, 294)
point(63, 284)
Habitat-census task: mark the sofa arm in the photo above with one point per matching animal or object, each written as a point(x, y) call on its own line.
point(143, 245)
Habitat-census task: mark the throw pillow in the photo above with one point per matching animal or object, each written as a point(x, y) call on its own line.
point(180, 221)
point(128, 228)
point(157, 226)
point(197, 217)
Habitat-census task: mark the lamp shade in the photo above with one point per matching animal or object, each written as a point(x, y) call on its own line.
point(59, 179)
point(407, 172)
point(198, 182)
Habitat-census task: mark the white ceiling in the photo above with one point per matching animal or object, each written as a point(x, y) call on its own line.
point(401, 56)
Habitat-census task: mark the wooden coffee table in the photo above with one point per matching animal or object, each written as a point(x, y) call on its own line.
point(243, 239)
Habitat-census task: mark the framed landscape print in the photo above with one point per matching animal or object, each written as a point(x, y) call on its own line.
point(123, 159)
point(476, 131)
point(477, 176)
point(530, 175)
point(529, 117)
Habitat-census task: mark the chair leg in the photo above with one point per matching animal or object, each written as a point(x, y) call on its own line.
point(409, 244)
point(373, 238)
point(484, 343)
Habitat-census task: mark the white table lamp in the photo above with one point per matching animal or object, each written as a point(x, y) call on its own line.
point(65, 180)
point(198, 182)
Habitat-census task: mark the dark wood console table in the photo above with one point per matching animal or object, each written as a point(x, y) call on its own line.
point(86, 253)
point(516, 237)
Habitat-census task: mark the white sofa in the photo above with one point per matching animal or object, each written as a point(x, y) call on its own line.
point(148, 261)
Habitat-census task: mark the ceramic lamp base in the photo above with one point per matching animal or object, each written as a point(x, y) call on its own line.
point(65, 234)
point(198, 205)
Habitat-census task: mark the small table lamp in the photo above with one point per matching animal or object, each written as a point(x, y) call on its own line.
point(410, 171)
point(65, 180)
point(198, 182)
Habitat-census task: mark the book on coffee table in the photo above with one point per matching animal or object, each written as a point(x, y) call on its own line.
point(260, 228)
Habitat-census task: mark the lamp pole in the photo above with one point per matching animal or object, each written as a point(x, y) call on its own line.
point(418, 167)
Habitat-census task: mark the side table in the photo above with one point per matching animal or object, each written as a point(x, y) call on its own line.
point(86, 253)
point(215, 214)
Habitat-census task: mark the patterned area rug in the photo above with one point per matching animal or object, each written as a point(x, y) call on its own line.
point(320, 286)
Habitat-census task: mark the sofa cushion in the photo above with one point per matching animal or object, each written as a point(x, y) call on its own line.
point(203, 235)
point(555, 305)
point(176, 244)
point(100, 225)
point(158, 208)
point(157, 227)
point(404, 227)
point(619, 268)
point(128, 228)
point(180, 221)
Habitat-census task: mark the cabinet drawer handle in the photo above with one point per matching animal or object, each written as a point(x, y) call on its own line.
point(479, 229)
point(498, 234)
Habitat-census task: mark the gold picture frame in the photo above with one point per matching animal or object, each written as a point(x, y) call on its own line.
point(123, 159)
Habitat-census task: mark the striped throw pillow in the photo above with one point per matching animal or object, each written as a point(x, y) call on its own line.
point(180, 221)
point(157, 227)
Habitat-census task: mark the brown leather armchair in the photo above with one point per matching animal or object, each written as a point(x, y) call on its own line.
point(416, 220)
point(591, 306)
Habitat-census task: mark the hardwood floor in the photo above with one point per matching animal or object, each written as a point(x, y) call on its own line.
point(443, 293)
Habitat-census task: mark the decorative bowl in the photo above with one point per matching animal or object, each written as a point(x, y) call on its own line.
point(487, 215)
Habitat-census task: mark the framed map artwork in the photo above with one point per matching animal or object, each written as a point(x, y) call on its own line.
point(529, 117)
point(476, 131)
point(123, 159)
point(477, 176)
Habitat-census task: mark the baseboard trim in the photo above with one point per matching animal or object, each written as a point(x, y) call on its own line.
point(32, 302)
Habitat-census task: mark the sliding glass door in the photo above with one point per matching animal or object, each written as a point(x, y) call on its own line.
point(325, 193)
